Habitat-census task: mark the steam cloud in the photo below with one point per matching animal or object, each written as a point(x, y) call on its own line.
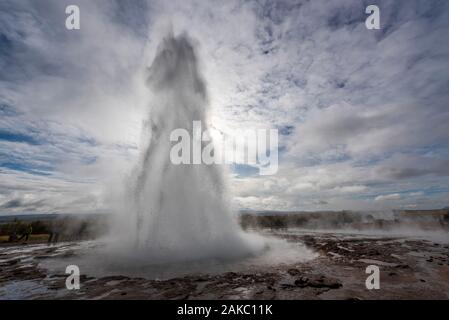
point(177, 212)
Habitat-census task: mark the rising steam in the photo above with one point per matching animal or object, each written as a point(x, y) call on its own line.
point(177, 212)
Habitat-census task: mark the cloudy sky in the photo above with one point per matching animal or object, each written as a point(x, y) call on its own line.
point(363, 115)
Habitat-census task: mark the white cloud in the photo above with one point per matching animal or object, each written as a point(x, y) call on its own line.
point(388, 197)
point(366, 110)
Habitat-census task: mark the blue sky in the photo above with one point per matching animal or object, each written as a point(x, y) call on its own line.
point(363, 114)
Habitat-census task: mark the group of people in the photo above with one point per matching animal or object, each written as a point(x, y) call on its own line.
point(23, 230)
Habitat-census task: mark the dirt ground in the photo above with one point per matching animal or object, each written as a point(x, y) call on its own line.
point(410, 268)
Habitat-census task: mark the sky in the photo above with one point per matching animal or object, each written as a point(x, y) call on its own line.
point(362, 114)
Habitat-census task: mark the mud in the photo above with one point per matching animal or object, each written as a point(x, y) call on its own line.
point(410, 268)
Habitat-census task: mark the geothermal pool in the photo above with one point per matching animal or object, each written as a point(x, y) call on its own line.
point(92, 259)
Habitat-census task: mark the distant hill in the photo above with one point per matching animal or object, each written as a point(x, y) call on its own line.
point(46, 217)
point(27, 217)
point(417, 219)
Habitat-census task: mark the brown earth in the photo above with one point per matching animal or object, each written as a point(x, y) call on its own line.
point(409, 269)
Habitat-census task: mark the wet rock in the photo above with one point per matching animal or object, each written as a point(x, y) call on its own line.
point(42, 257)
point(318, 282)
point(230, 274)
point(302, 282)
point(287, 282)
point(12, 262)
point(114, 278)
point(84, 277)
point(373, 252)
point(293, 272)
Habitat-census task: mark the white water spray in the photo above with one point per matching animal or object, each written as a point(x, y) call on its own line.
point(177, 212)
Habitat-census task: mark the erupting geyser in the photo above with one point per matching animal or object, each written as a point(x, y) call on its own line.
point(177, 212)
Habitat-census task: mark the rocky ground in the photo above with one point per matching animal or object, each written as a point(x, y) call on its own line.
point(409, 269)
